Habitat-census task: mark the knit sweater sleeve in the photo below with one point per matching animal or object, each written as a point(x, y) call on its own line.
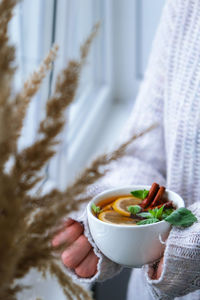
point(181, 273)
point(144, 161)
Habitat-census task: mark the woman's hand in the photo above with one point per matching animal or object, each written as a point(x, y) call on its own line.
point(78, 255)
point(157, 271)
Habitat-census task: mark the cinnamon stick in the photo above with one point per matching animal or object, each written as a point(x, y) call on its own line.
point(167, 204)
point(152, 193)
point(158, 198)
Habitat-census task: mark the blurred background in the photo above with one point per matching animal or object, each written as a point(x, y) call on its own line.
point(107, 91)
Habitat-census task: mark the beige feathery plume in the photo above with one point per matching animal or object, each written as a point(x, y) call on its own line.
point(32, 85)
point(30, 88)
point(47, 221)
point(7, 55)
point(68, 200)
point(28, 222)
point(18, 242)
point(50, 127)
point(13, 110)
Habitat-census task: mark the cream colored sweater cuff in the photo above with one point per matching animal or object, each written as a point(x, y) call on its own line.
point(105, 268)
point(181, 267)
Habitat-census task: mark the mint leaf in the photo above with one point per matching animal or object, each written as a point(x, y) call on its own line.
point(160, 212)
point(153, 212)
point(141, 194)
point(148, 221)
point(157, 212)
point(182, 217)
point(167, 212)
point(145, 215)
point(134, 209)
point(96, 209)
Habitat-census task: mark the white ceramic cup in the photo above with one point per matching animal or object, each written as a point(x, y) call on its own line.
point(130, 245)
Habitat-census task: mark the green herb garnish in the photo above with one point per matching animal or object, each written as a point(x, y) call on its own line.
point(148, 221)
point(141, 194)
point(167, 212)
point(157, 212)
point(134, 209)
point(182, 217)
point(153, 213)
point(145, 215)
point(152, 216)
point(96, 209)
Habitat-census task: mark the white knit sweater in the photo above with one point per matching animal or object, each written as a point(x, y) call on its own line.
point(170, 154)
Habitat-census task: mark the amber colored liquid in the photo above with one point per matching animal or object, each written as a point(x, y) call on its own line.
point(112, 215)
point(109, 200)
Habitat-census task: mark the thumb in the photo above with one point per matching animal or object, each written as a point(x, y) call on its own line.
point(159, 269)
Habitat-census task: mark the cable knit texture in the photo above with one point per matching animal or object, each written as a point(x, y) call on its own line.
point(170, 154)
point(105, 268)
point(181, 273)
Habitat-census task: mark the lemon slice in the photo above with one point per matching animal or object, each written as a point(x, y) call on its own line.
point(121, 205)
point(111, 216)
point(107, 207)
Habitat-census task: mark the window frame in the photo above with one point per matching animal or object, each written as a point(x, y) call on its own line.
point(69, 156)
point(33, 54)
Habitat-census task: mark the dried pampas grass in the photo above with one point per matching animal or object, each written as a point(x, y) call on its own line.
point(27, 223)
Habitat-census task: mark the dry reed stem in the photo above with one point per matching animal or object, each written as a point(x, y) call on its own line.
point(33, 158)
point(67, 200)
point(14, 216)
point(25, 230)
point(74, 288)
point(14, 111)
point(48, 221)
point(30, 88)
point(7, 55)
